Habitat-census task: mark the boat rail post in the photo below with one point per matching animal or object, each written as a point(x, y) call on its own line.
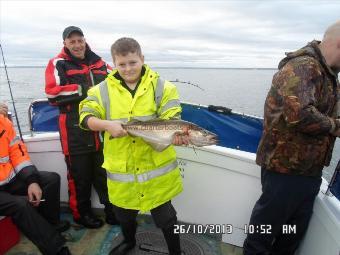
point(336, 172)
point(30, 117)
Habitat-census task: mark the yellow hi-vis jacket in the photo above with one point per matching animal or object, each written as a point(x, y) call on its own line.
point(13, 152)
point(138, 177)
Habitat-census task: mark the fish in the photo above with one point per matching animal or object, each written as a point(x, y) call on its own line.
point(159, 134)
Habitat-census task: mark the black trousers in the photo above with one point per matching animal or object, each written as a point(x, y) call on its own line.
point(85, 170)
point(164, 215)
point(286, 200)
point(35, 223)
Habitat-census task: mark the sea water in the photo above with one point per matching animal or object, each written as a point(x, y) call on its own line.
point(243, 90)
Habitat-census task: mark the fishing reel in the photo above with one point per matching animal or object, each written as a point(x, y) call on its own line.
point(9, 115)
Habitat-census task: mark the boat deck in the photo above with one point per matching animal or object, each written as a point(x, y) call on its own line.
point(150, 241)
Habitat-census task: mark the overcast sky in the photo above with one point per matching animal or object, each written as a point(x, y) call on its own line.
point(211, 34)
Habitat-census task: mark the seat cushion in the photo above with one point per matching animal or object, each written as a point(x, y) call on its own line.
point(9, 233)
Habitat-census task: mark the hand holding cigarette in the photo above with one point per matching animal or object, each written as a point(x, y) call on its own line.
point(34, 194)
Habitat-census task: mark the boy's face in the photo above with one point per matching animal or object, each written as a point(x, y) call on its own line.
point(129, 66)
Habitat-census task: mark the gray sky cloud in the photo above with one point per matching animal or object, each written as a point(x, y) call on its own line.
point(171, 33)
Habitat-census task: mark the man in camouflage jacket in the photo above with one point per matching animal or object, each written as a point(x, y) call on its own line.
point(301, 123)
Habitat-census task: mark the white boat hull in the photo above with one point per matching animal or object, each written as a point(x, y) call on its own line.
point(221, 186)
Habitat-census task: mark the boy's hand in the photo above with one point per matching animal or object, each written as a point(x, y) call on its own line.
point(115, 129)
point(181, 137)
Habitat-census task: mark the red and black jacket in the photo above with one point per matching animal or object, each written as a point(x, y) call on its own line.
point(67, 81)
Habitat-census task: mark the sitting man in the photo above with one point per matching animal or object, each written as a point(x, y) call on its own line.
point(22, 188)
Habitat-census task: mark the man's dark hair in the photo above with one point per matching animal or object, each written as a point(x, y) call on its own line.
point(124, 46)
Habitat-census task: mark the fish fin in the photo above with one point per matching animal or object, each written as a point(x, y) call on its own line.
point(158, 146)
point(133, 121)
point(155, 144)
point(193, 147)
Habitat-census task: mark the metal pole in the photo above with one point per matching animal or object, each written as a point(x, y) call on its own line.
point(10, 91)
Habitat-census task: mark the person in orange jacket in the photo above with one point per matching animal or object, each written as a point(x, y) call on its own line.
point(22, 188)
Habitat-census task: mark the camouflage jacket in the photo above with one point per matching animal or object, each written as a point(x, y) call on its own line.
point(299, 114)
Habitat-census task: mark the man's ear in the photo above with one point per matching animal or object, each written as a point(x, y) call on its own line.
point(142, 58)
point(64, 43)
point(338, 43)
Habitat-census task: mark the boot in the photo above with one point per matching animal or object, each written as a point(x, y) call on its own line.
point(129, 233)
point(172, 240)
point(88, 220)
point(123, 248)
point(64, 251)
point(110, 217)
point(62, 226)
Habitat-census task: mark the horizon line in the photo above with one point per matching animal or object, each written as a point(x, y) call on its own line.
point(157, 67)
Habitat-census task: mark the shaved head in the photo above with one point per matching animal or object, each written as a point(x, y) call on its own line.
point(332, 31)
point(330, 46)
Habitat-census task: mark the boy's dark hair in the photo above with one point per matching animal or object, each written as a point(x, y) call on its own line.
point(124, 46)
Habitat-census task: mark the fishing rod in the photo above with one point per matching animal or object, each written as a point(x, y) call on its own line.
point(10, 91)
point(188, 82)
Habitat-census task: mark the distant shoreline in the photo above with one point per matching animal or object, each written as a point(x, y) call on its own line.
point(176, 67)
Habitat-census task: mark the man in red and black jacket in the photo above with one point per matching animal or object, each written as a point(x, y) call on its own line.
point(68, 77)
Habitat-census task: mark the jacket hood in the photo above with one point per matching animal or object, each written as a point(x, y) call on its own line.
point(311, 50)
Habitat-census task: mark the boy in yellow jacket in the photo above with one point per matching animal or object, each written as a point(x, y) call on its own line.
point(138, 177)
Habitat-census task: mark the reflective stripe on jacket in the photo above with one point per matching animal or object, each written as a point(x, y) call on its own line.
point(13, 153)
point(139, 177)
